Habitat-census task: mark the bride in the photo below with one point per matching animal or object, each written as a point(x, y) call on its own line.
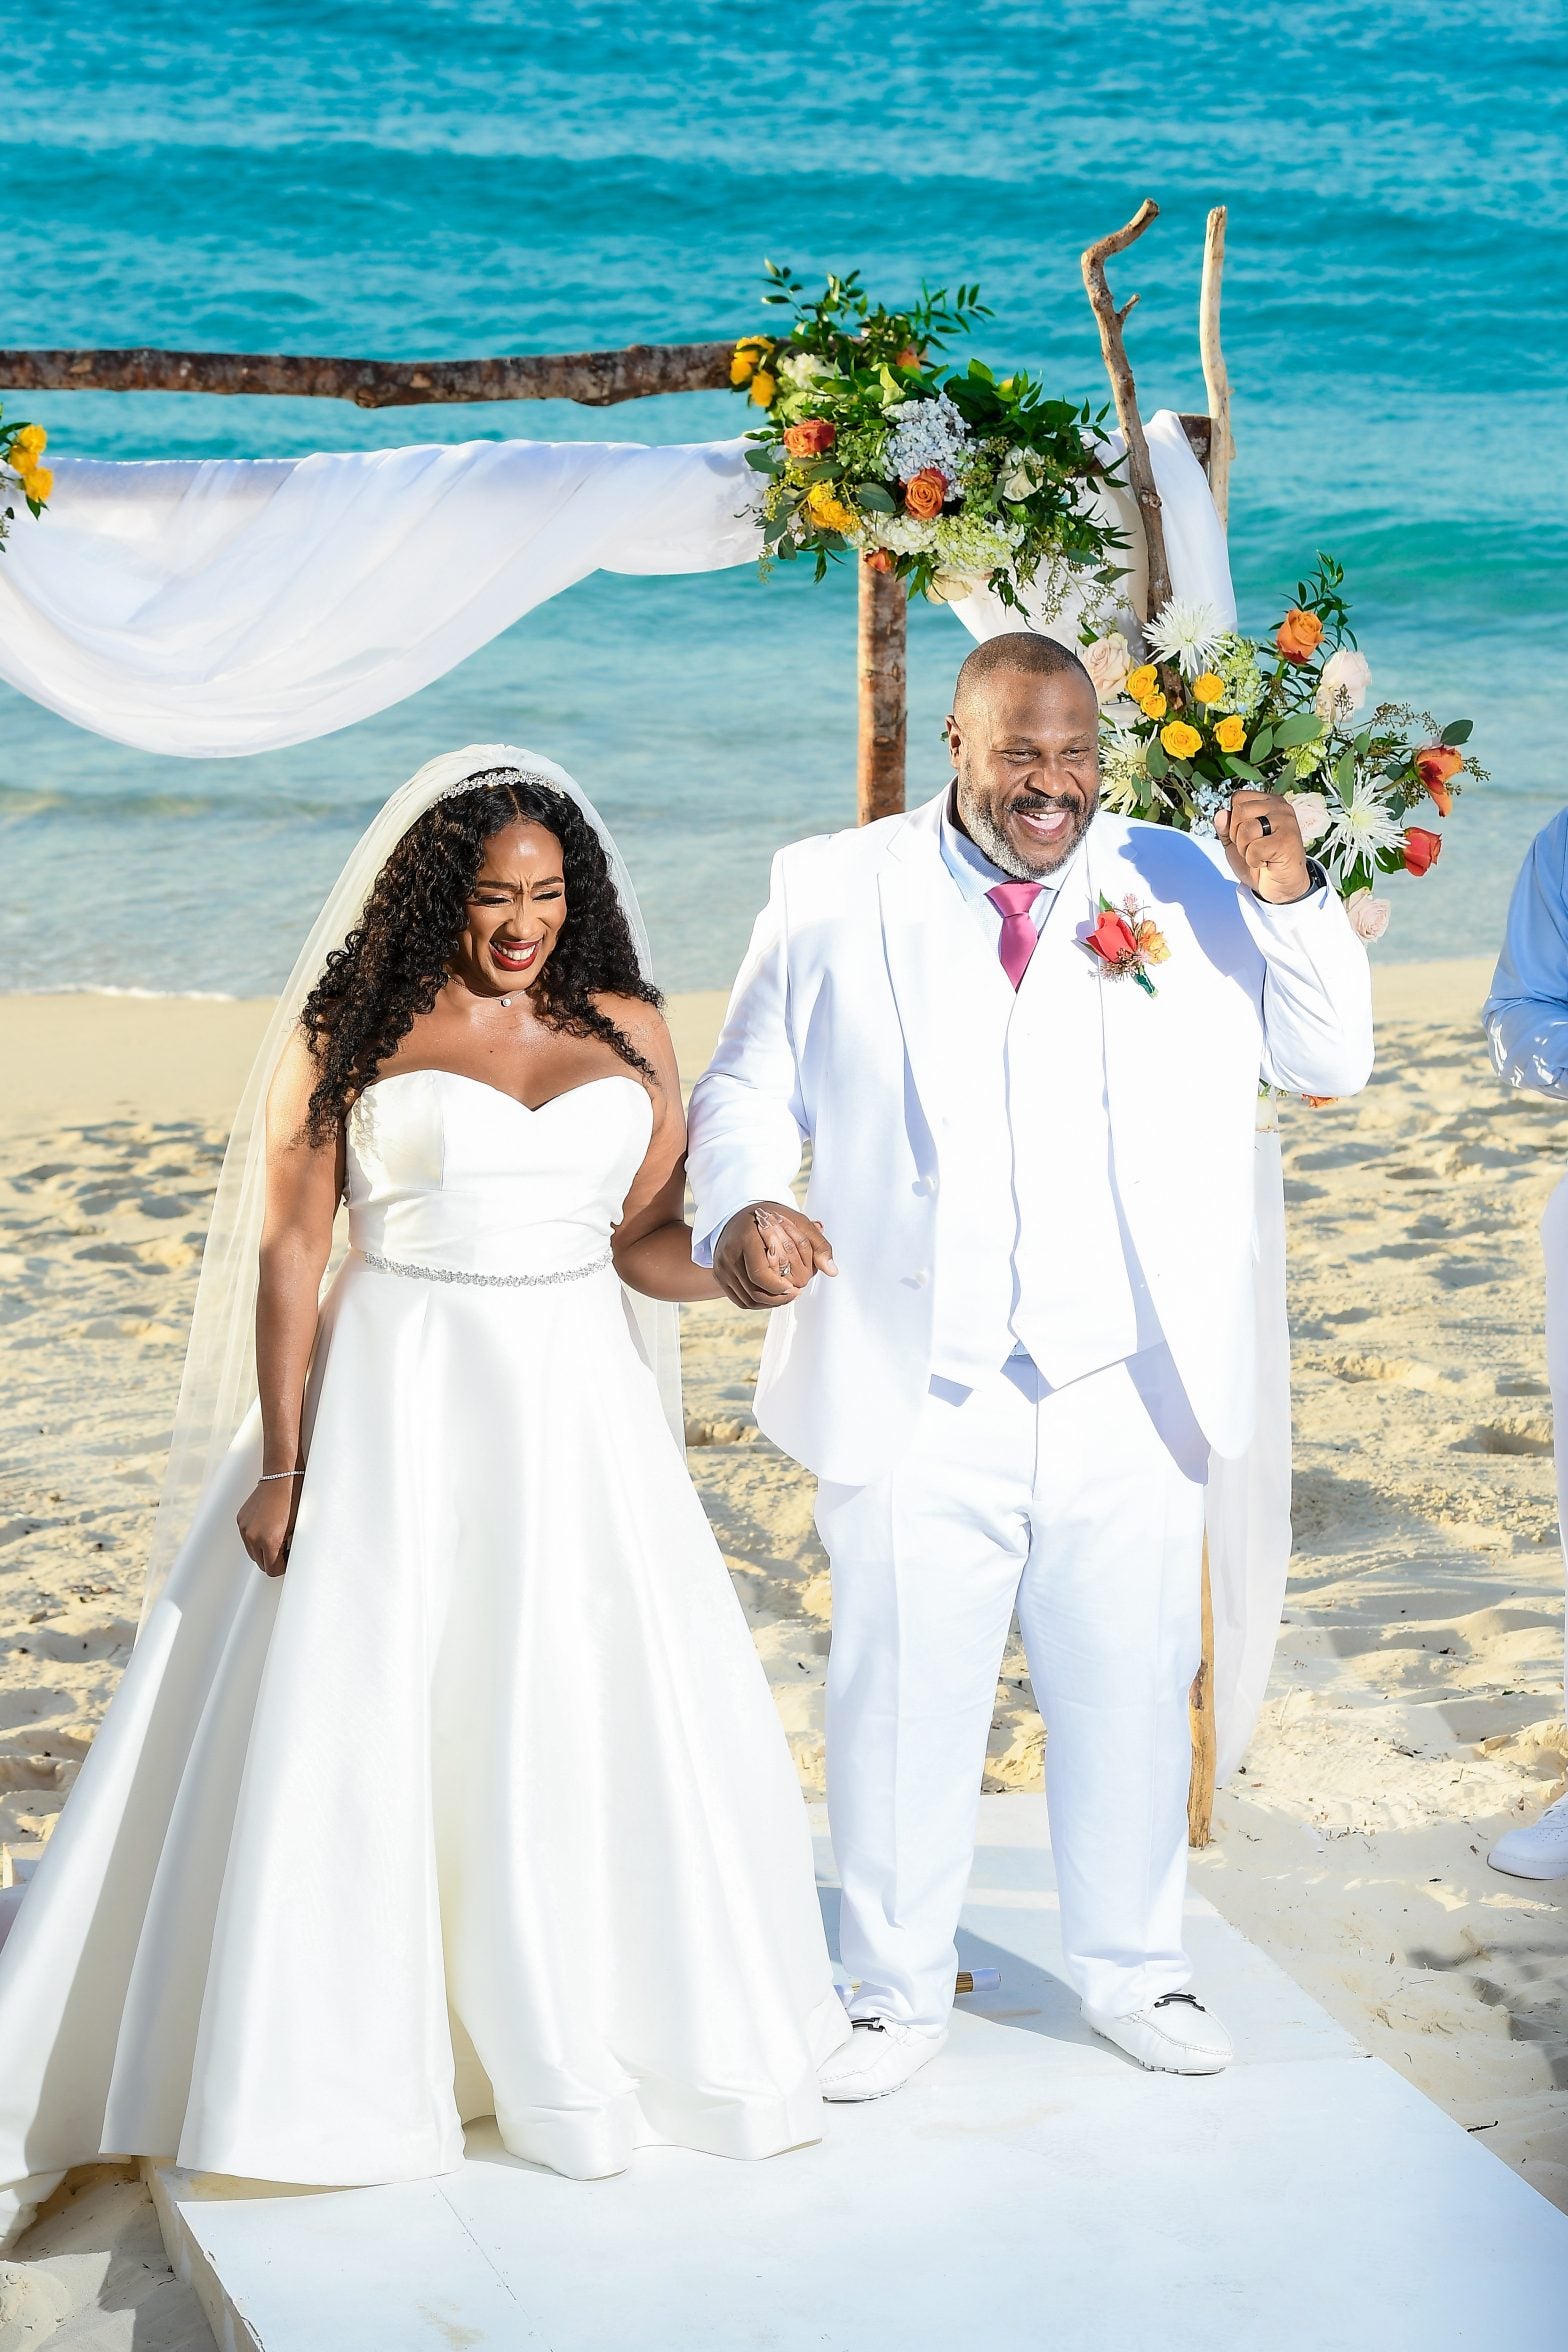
point(473, 1801)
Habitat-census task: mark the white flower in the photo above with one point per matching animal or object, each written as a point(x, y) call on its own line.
point(1359, 832)
point(804, 367)
point(1025, 472)
point(1342, 687)
point(1368, 915)
point(928, 433)
point(1108, 661)
point(1311, 815)
point(953, 587)
point(1186, 631)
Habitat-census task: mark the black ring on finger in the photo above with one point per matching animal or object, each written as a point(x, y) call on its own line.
point(1265, 826)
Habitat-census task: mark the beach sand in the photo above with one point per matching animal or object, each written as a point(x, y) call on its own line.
point(1416, 1707)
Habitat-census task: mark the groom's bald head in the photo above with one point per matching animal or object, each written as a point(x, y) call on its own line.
point(1023, 735)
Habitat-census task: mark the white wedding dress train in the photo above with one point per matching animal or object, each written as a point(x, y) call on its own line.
point(483, 1807)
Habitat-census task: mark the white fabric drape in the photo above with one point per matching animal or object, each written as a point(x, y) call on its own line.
point(221, 606)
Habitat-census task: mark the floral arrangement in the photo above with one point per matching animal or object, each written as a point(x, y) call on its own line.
point(949, 479)
point(1212, 710)
point(21, 459)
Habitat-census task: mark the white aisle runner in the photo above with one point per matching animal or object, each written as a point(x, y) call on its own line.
point(1032, 2192)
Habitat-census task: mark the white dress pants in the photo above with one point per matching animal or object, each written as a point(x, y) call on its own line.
point(1554, 1241)
point(1081, 1508)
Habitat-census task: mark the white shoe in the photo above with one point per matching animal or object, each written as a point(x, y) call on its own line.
point(880, 2056)
point(1173, 2035)
point(1536, 1849)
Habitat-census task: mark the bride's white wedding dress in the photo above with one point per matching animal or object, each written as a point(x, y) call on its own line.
point(484, 1806)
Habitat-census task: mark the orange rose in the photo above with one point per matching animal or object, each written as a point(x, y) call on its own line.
point(1299, 635)
point(879, 560)
point(1422, 849)
point(810, 438)
point(1434, 766)
point(909, 357)
point(926, 495)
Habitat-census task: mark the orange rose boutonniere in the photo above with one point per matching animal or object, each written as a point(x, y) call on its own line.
point(1126, 942)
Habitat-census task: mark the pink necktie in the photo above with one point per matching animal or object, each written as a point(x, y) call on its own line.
point(1019, 939)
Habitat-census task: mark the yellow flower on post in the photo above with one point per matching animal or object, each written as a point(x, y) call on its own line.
point(763, 388)
point(37, 482)
point(749, 354)
point(1142, 681)
point(1180, 740)
point(1231, 733)
point(827, 510)
point(28, 447)
point(1208, 688)
point(1154, 706)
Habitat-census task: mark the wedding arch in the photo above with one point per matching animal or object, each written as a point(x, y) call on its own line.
point(215, 608)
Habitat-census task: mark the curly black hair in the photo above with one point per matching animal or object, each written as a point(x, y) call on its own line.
point(392, 966)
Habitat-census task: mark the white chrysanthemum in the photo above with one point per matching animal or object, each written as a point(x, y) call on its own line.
point(1362, 831)
point(928, 433)
point(1185, 631)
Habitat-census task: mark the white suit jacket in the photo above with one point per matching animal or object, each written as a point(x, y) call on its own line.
point(846, 1031)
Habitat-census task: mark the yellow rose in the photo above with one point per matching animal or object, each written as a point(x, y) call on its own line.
point(37, 482)
point(1142, 681)
point(763, 388)
point(1208, 688)
point(748, 357)
point(1180, 740)
point(29, 445)
point(827, 510)
point(1231, 733)
point(1154, 706)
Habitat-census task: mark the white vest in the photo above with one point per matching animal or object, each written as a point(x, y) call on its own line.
point(1032, 1249)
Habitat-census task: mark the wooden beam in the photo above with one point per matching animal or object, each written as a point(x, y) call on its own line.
point(884, 611)
point(1216, 377)
point(1113, 348)
point(1200, 1712)
point(596, 379)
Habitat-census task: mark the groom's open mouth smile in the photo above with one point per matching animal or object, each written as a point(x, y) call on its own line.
point(1050, 826)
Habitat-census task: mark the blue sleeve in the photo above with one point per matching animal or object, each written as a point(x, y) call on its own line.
point(1526, 1015)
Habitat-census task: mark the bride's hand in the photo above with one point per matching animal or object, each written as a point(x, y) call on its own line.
point(266, 1522)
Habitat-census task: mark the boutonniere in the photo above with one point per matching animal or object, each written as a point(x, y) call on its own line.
point(1126, 942)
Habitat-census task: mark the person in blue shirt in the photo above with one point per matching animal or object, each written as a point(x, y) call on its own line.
point(1526, 1020)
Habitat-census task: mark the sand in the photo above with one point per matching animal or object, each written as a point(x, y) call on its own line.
point(1416, 1707)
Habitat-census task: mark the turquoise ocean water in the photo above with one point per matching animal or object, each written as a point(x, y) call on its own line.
point(438, 177)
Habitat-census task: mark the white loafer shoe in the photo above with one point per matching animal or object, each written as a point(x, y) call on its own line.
point(1537, 1849)
point(880, 2056)
point(1173, 2035)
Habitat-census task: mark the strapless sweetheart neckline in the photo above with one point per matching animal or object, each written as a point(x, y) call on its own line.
point(610, 1078)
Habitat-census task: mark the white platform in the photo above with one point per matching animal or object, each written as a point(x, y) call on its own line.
point(1033, 2190)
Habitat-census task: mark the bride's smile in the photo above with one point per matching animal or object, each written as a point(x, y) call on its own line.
point(515, 913)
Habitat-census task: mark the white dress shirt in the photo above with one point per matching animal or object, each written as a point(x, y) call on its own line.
point(1526, 1015)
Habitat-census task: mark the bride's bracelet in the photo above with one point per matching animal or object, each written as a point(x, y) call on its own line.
point(266, 1477)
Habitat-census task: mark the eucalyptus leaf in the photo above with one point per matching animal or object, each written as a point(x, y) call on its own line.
point(1460, 732)
point(1297, 727)
point(763, 460)
point(1263, 743)
point(1344, 774)
point(1155, 761)
point(874, 499)
point(1242, 769)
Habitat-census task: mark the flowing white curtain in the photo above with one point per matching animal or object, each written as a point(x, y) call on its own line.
point(212, 608)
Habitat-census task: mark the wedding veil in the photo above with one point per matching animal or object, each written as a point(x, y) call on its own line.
point(218, 1385)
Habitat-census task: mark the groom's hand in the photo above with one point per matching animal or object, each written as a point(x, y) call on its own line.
point(1263, 842)
point(767, 1254)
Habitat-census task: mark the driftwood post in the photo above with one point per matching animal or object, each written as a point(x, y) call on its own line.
point(1216, 379)
point(884, 706)
point(1113, 347)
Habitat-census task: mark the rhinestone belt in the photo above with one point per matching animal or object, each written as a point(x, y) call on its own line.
point(485, 1281)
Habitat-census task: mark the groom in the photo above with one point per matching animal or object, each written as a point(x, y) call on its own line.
point(1033, 1322)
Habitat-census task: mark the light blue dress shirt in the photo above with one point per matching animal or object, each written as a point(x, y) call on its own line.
point(1526, 1015)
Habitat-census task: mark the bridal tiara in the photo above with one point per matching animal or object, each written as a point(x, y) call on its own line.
point(487, 776)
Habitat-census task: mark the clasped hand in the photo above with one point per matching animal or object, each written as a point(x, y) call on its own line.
point(767, 1254)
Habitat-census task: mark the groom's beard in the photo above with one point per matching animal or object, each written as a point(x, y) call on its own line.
point(987, 835)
